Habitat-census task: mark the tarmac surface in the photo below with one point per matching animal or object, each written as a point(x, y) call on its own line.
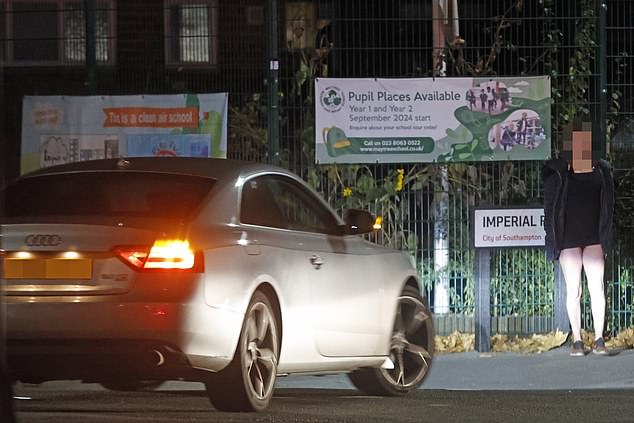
point(551, 370)
point(491, 387)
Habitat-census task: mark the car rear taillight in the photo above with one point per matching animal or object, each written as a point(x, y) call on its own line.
point(165, 254)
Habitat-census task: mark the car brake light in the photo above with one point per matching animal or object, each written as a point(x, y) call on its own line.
point(165, 254)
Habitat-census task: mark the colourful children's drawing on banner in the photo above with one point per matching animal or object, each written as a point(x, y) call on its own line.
point(62, 129)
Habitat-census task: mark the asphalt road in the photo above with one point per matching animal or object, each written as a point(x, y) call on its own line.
point(328, 405)
point(465, 387)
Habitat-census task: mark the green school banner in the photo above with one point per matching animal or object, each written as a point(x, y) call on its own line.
point(430, 120)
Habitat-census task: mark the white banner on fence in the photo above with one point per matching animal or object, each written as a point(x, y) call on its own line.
point(508, 227)
point(63, 129)
point(432, 119)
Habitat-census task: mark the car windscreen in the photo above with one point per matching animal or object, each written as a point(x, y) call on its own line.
point(137, 194)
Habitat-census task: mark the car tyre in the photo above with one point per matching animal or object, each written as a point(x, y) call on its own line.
point(411, 351)
point(247, 383)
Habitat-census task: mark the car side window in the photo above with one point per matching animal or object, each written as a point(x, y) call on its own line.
point(292, 206)
point(258, 205)
point(300, 208)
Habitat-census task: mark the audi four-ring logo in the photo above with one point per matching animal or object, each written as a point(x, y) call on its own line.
point(42, 240)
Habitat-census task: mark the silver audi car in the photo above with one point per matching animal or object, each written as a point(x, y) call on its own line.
point(130, 272)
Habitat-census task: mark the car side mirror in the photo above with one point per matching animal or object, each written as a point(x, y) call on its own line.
point(358, 221)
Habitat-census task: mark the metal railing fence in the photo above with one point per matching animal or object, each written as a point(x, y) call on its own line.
point(585, 46)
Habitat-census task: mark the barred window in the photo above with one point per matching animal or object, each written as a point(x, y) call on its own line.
point(191, 28)
point(74, 23)
point(53, 32)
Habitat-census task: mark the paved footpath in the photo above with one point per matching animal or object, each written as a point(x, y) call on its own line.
point(509, 371)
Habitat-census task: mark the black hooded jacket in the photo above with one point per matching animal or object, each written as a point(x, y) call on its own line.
point(555, 179)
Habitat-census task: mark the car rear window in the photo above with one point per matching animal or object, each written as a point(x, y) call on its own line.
point(139, 194)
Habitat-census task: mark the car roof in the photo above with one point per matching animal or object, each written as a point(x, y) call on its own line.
point(196, 166)
point(226, 171)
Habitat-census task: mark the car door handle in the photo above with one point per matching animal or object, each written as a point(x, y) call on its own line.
point(316, 261)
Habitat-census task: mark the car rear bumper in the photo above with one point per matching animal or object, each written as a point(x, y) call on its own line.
point(89, 340)
point(36, 361)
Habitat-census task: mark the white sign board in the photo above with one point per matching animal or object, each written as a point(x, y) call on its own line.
point(405, 120)
point(509, 227)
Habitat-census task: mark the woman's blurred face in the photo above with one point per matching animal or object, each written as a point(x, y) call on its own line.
point(582, 150)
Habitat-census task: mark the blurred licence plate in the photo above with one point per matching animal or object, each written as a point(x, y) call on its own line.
point(47, 268)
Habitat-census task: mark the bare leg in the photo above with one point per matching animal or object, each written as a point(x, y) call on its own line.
point(593, 264)
point(570, 260)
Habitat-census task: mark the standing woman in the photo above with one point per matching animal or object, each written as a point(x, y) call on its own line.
point(578, 208)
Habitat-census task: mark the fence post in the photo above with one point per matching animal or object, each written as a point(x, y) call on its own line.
point(560, 315)
point(483, 300)
point(272, 81)
point(91, 49)
point(599, 138)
